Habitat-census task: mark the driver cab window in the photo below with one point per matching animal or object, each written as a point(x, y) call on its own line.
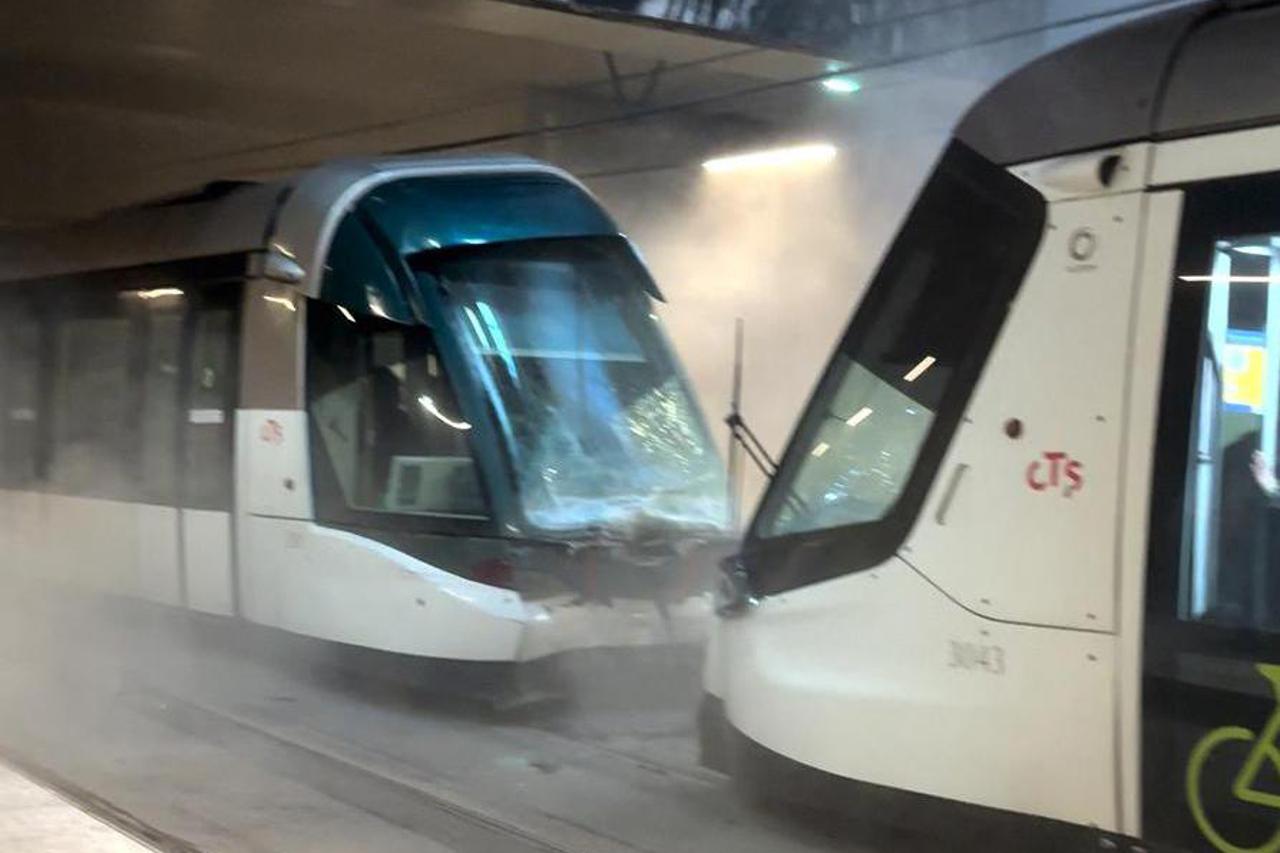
point(389, 425)
point(1220, 434)
point(1230, 567)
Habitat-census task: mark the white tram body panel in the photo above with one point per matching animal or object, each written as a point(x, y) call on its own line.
point(902, 714)
point(1054, 371)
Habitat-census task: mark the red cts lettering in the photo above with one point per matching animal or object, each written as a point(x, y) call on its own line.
point(1032, 480)
point(1062, 471)
point(1054, 457)
point(1075, 477)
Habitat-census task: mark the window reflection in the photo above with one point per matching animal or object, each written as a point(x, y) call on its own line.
point(860, 461)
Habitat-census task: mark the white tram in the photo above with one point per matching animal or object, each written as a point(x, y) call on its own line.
point(1021, 562)
point(415, 405)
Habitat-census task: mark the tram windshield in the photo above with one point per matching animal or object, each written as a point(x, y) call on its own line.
point(912, 353)
point(603, 429)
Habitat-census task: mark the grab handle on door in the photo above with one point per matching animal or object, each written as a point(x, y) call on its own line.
point(949, 495)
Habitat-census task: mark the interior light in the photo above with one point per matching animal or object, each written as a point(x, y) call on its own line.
point(795, 155)
point(822, 448)
point(1234, 279)
point(1264, 251)
point(916, 372)
point(281, 300)
point(859, 416)
point(841, 85)
point(158, 293)
point(342, 309)
point(430, 405)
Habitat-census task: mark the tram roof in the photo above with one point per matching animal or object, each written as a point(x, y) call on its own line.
point(298, 213)
point(1200, 68)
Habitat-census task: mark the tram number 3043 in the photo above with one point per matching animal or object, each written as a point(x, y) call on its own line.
point(977, 656)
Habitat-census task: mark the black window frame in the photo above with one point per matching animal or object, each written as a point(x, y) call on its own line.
point(1247, 204)
point(777, 563)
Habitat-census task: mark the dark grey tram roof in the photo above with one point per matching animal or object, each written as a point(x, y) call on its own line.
point(1201, 68)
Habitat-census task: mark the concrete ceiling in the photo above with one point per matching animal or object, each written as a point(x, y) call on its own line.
point(108, 103)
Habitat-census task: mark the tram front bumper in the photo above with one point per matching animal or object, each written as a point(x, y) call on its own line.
point(565, 624)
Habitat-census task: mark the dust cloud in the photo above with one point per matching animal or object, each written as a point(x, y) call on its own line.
point(788, 250)
point(791, 250)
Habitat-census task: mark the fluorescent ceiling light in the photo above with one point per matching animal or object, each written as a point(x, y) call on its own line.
point(841, 85)
point(1235, 279)
point(859, 416)
point(822, 448)
point(916, 372)
point(794, 155)
point(159, 292)
point(281, 300)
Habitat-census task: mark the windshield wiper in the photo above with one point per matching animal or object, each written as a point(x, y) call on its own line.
point(741, 435)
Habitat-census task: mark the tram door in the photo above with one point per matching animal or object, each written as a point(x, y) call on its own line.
point(205, 460)
point(1211, 686)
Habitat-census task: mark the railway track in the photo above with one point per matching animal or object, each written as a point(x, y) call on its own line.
point(203, 744)
point(375, 782)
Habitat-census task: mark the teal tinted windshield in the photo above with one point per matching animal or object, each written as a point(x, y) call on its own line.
point(604, 432)
point(467, 210)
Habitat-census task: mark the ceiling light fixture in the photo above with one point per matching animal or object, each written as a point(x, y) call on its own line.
point(793, 155)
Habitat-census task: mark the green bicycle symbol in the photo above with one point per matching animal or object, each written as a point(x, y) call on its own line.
point(1243, 788)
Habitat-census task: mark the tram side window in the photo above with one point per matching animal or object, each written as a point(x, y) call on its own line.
point(1229, 569)
point(95, 426)
point(388, 420)
point(160, 388)
point(20, 423)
